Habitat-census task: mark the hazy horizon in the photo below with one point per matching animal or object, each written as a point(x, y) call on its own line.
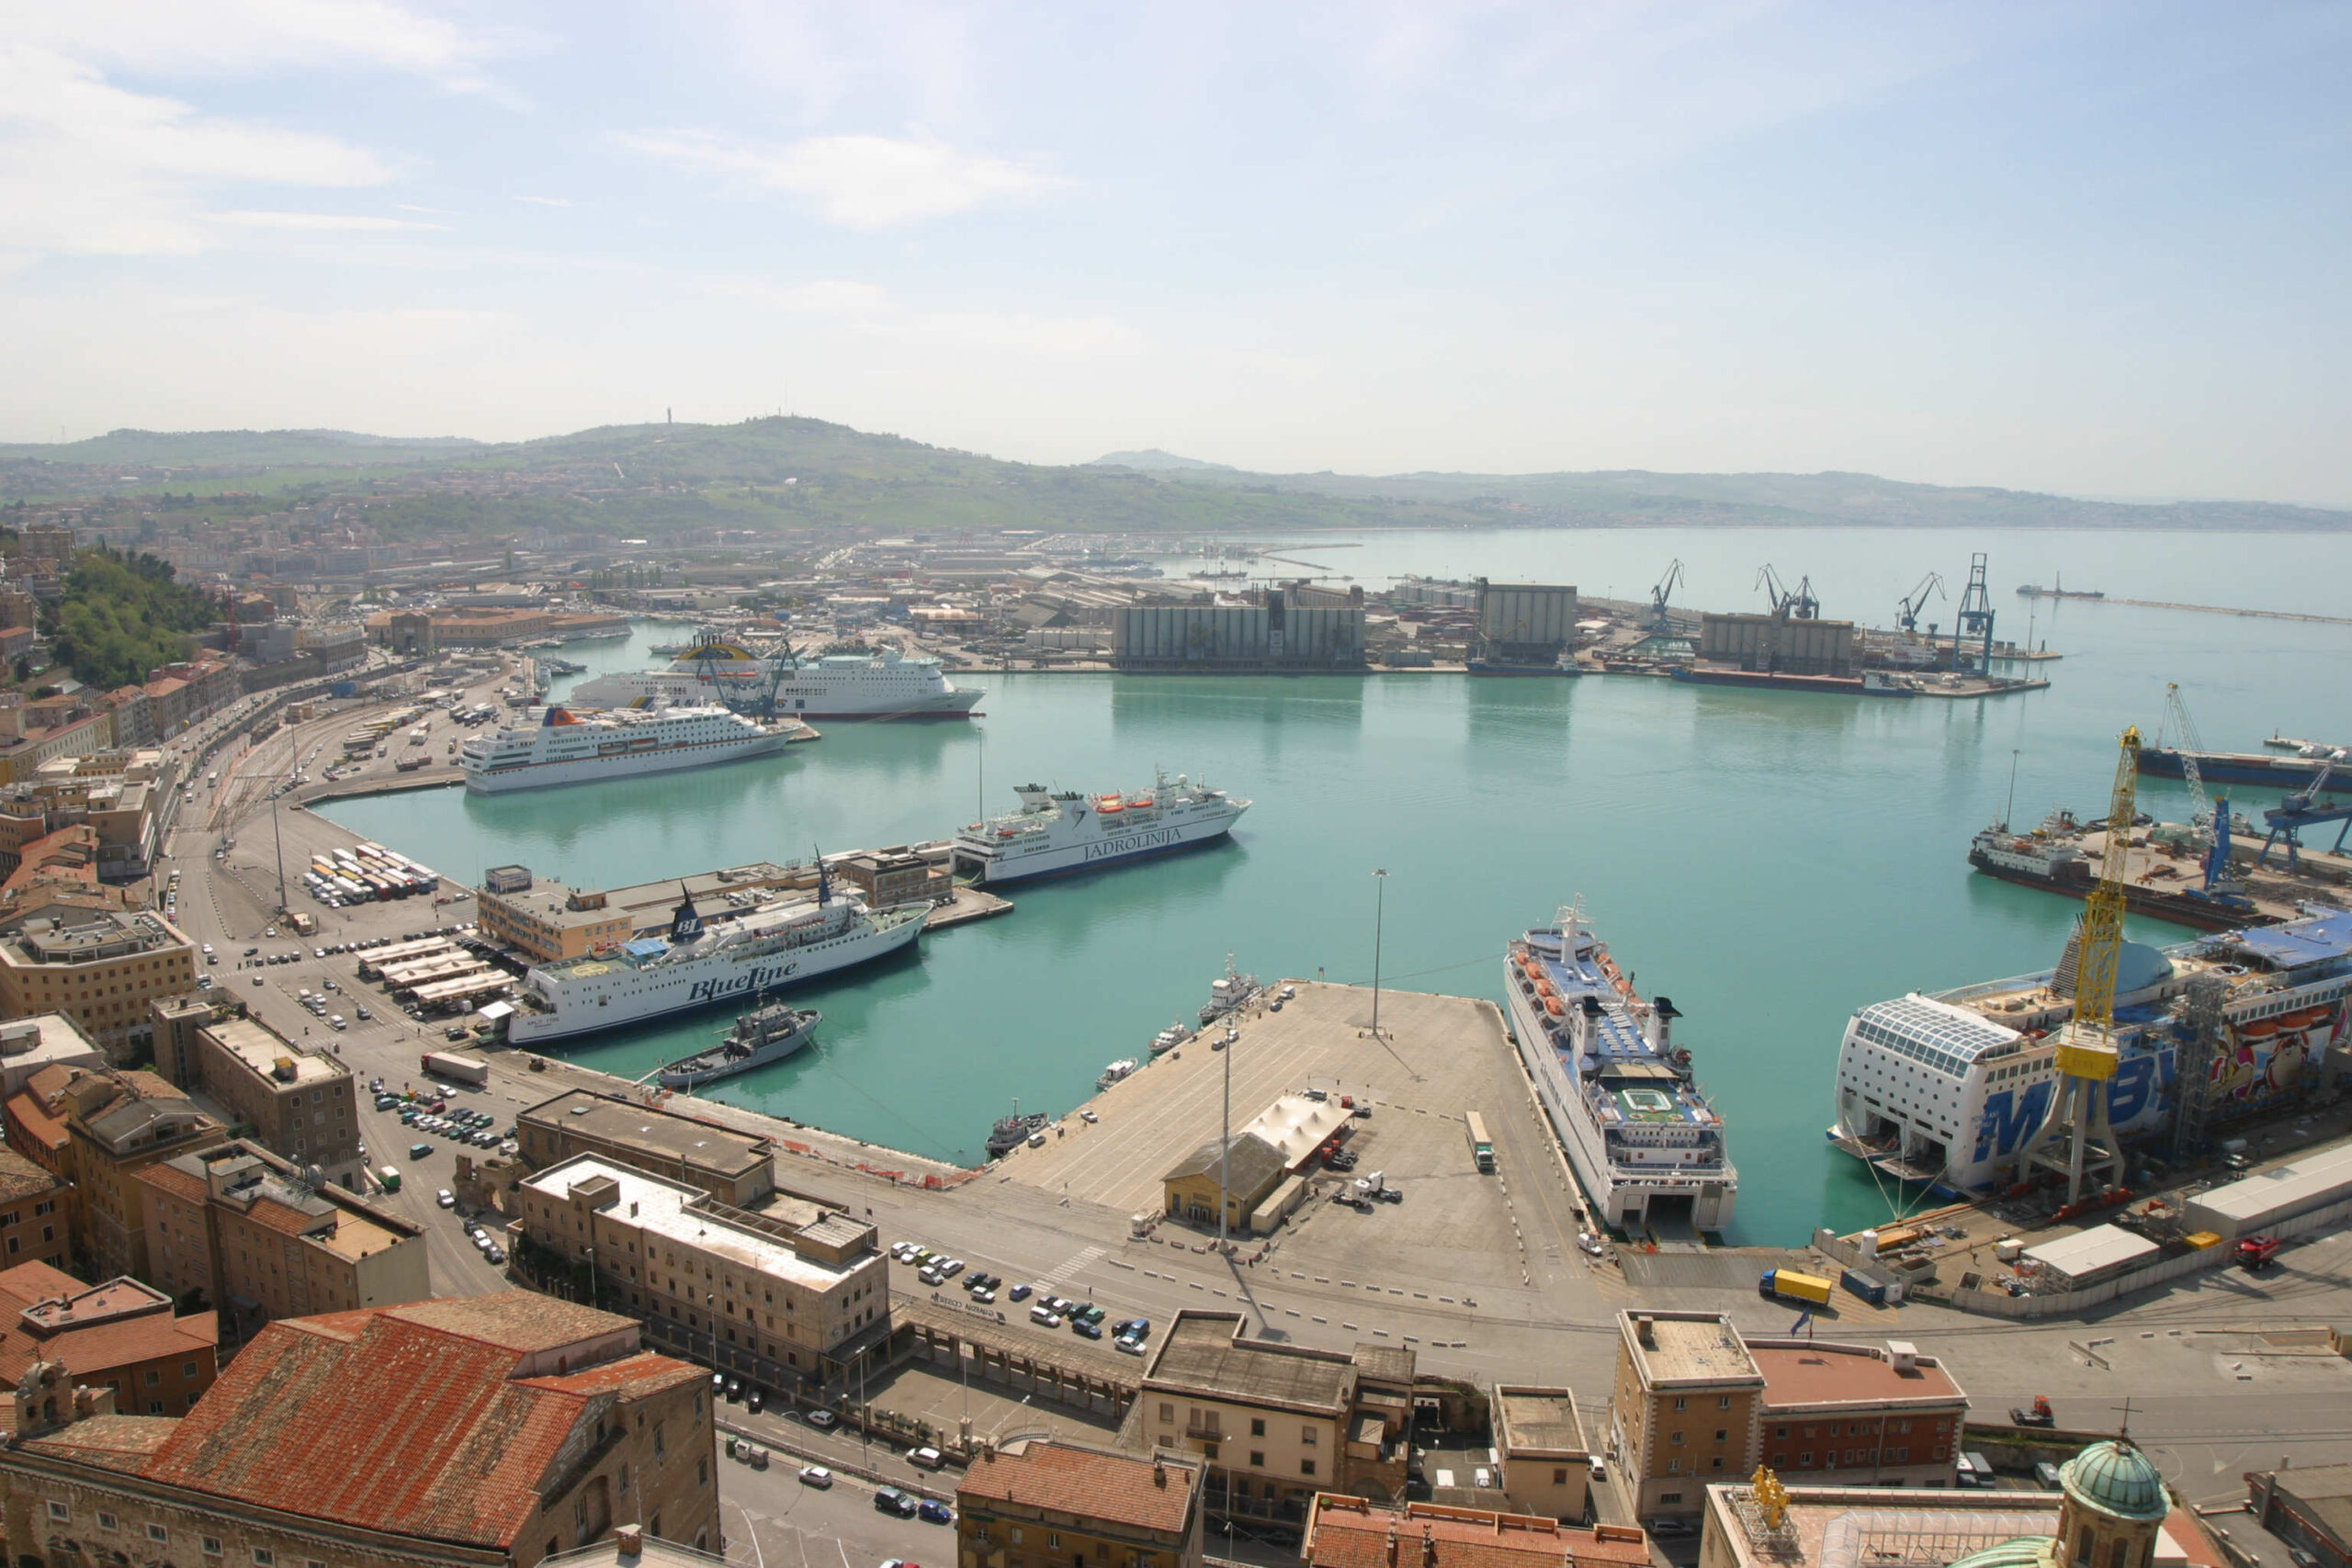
point(2086, 250)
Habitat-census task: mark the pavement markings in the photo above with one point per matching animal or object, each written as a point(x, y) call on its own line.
point(1074, 1266)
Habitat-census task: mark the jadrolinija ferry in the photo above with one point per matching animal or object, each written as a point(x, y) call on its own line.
point(1942, 1088)
point(1056, 833)
point(1619, 1094)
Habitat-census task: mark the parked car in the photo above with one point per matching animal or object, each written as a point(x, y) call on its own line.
point(445, 1198)
point(1045, 1317)
point(816, 1475)
point(926, 1459)
point(823, 1419)
point(1084, 1329)
point(935, 1511)
point(1019, 1293)
point(890, 1500)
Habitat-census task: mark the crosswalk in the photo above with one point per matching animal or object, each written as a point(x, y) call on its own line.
point(1072, 1268)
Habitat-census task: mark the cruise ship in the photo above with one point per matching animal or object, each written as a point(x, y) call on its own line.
point(1942, 1088)
point(566, 748)
point(878, 684)
point(1053, 833)
point(701, 963)
point(1644, 1144)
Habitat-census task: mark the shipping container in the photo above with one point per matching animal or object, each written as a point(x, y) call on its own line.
point(1787, 1284)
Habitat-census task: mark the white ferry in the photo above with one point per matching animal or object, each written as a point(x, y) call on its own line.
point(1056, 833)
point(1943, 1089)
point(568, 748)
point(880, 684)
point(699, 965)
point(1647, 1146)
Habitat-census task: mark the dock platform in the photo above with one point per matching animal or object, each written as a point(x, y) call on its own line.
point(968, 905)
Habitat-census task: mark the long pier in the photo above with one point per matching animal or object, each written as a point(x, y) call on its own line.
point(2226, 610)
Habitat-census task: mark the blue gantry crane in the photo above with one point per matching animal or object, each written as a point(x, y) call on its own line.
point(2305, 809)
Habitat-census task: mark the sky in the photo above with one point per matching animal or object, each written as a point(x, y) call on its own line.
point(2095, 249)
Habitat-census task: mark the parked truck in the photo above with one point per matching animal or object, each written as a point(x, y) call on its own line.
point(460, 1069)
point(1788, 1285)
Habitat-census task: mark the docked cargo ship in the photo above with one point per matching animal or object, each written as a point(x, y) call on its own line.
point(2296, 773)
point(1943, 1089)
point(1055, 833)
point(1647, 1146)
point(2051, 858)
point(862, 684)
point(701, 963)
point(566, 748)
point(760, 1037)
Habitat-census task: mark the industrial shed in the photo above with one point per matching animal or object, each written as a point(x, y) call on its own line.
point(2270, 1199)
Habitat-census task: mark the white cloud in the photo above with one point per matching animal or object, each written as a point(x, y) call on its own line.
point(250, 36)
point(348, 223)
point(545, 200)
point(860, 182)
point(90, 168)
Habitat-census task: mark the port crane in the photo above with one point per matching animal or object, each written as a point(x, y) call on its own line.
point(1975, 619)
point(1908, 616)
point(2087, 1056)
point(1797, 604)
point(1660, 622)
point(2305, 809)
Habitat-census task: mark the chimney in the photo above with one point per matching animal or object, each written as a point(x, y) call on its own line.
point(1392, 1542)
point(629, 1538)
point(1645, 1332)
point(1428, 1547)
point(1159, 1472)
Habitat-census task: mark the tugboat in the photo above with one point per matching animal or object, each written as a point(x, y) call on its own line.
point(1011, 1132)
point(1228, 991)
point(763, 1035)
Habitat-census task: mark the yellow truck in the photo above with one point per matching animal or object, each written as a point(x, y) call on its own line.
point(1788, 1285)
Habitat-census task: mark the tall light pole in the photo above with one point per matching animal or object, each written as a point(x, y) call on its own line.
point(1225, 1147)
point(1379, 913)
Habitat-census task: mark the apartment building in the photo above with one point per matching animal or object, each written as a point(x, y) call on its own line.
point(300, 1103)
point(1050, 1504)
point(778, 1297)
point(1697, 1404)
point(249, 1233)
point(100, 968)
point(484, 1432)
point(117, 1124)
point(1277, 1423)
point(36, 1213)
point(733, 1168)
point(1540, 1450)
point(29, 1044)
point(1349, 1532)
point(122, 1334)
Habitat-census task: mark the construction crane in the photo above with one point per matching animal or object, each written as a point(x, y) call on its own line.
point(1908, 616)
point(1660, 622)
point(2086, 1055)
point(2190, 744)
point(1975, 617)
point(1797, 604)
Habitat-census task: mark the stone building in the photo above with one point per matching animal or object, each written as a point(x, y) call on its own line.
point(1684, 1411)
point(300, 1103)
point(101, 969)
point(1349, 1532)
point(734, 1168)
point(1044, 1504)
point(123, 1335)
point(252, 1236)
point(778, 1299)
point(115, 1123)
point(488, 1432)
point(1277, 1423)
point(36, 1213)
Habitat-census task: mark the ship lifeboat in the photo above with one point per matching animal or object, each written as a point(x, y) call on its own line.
point(2260, 1028)
point(1143, 804)
point(1552, 1005)
point(2304, 1019)
point(1006, 832)
point(1109, 805)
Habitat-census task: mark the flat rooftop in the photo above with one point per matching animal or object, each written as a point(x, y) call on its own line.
point(665, 1208)
point(1687, 1347)
point(1541, 1421)
point(1841, 1527)
point(261, 1048)
point(649, 903)
point(660, 1132)
point(1840, 1374)
point(1202, 1356)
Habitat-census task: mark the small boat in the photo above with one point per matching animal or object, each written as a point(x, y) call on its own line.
point(763, 1035)
point(1011, 1132)
point(1116, 1071)
point(1168, 1039)
point(1229, 991)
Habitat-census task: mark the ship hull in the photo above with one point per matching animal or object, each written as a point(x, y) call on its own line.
point(2181, 909)
point(1620, 1203)
point(1771, 680)
point(1504, 667)
point(597, 770)
point(1100, 854)
point(635, 997)
point(2239, 767)
point(809, 702)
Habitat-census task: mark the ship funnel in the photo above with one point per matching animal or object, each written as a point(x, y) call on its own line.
point(1663, 1012)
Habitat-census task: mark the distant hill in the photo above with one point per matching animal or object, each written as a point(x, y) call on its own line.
point(1151, 459)
point(807, 474)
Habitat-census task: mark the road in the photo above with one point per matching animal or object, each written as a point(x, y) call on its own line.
point(773, 1520)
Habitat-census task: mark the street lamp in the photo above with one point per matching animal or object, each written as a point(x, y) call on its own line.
point(1379, 913)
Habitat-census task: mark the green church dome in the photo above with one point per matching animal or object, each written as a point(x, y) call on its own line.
point(2117, 1479)
point(2024, 1552)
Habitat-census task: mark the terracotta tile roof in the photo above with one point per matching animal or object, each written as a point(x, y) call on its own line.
point(283, 1218)
point(117, 1442)
point(1117, 1488)
point(91, 1351)
point(178, 1183)
point(639, 1375)
point(402, 1419)
point(29, 1110)
point(1348, 1532)
point(31, 1283)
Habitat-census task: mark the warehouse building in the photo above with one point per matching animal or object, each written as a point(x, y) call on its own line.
point(1275, 634)
point(1785, 644)
point(1523, 624)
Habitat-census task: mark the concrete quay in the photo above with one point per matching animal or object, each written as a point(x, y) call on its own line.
point(1481, 1276)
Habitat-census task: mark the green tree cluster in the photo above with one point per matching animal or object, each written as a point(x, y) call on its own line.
point(123, 614)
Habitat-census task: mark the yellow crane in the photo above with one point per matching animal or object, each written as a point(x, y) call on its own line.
point(2086, 1055)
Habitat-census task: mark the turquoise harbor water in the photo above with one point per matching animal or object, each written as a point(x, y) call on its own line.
point(1769, 861)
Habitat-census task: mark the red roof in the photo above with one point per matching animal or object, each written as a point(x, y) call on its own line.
point(1117, 1487)
point(1348, 1532)
point(407, 1419)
